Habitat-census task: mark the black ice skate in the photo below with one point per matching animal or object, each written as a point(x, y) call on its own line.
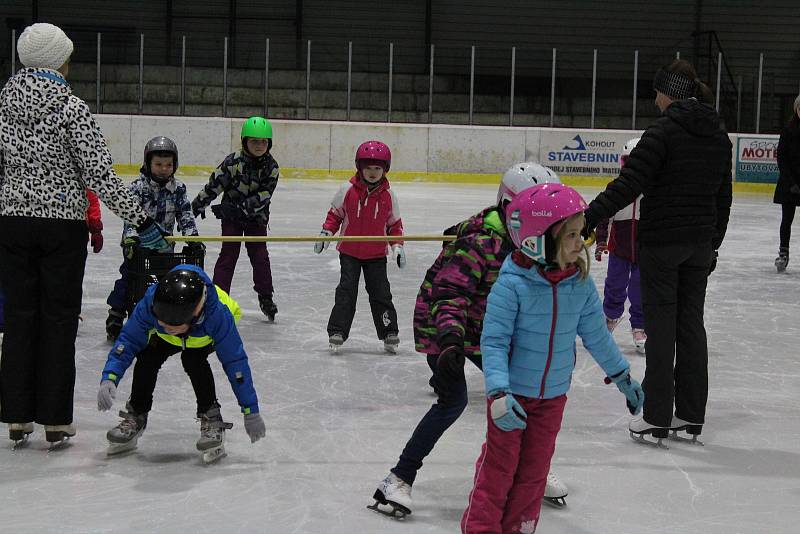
point(18, 433)
point(691, 429)
point(335, 342)
point(391, 342)
point(268, 307)
point(555, 491)
point(114, 323)
point(212, 436)
point(125, 436)
point(782, 260)
point(640, 430)
point(392, 498)
point(58, 435)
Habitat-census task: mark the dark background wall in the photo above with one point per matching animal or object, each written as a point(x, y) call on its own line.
point(697, 29)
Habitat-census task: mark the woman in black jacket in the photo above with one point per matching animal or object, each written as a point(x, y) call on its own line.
point(682, 166)
point(787, 191)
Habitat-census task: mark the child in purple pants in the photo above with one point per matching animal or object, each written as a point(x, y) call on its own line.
point(622, 278)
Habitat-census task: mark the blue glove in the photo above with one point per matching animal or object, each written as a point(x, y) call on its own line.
point(254, 426)
point(634, 395)
point(507, 414)
point(151, 236)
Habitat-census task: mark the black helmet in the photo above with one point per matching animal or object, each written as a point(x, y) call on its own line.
point(177, 297)
point(159, 145)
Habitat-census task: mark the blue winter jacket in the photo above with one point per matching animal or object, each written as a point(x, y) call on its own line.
point(535, 322)
point(216, 322)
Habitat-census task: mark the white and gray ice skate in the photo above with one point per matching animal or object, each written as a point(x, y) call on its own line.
point(639, 339)
point(555, 491)
point(390, 343)
point(18, 433)
point(212, 436)
point(335, 342)
point(643, 432)
point(58, 436)
point(782, 260)
point(691, 429)
point(125, 436)
point(392, 498)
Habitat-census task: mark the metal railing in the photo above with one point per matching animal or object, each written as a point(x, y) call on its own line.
point(728, 88)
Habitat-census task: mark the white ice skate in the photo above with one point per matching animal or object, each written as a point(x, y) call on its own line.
point(639, 430)
point(18, 433)
point(691, 429)
point(125, 436)
point(782, 260)
point(611, 324)
point(58, 435)
point(390, 343)
point(639, 339)
point(335, 342)
point(212, 436)
point(392, 498)
point(555, 491)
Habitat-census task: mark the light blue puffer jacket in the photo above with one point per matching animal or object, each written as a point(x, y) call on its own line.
point(535, 322)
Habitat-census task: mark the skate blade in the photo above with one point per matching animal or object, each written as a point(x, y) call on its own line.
point(640, 350)
point(118, 449)
point(59, 445)
point(391, 349)
point(693, 441)
point(20, 443)
point(640, 438)
point(558, 502)
point(213, 455)
point(396, 511)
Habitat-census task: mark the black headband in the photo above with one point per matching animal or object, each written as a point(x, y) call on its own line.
point(674, 85)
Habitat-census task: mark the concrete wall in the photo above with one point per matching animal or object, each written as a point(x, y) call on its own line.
point(416, 148)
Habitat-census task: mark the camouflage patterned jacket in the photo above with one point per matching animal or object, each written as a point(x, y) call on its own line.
point(167, 204)
point(452, 298)
point(247, 185)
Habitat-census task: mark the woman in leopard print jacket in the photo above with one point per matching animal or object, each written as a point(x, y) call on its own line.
point(51, 151)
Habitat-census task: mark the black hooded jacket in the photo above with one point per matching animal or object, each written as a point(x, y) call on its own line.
point(682, 166)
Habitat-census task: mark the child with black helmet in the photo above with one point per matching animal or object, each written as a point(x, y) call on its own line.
point(247, 180)
point(185, 313)
point(163, 197)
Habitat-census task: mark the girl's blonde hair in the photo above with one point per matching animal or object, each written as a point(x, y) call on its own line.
point(582, 263)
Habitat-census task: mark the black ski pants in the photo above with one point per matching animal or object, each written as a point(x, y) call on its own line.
point(149, 362)
point(42, 275)
point(673, 282)
point(380, 296)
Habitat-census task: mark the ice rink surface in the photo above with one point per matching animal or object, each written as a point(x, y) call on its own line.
point(336, 424)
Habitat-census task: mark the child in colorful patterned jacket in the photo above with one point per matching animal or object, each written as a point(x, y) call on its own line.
point(542, 299)
point(163, 197)
point(246, 179)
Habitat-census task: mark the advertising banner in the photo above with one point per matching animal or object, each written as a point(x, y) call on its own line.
point(756, 159)
point(585, 153)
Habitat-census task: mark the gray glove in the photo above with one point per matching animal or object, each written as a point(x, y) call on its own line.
point(254, 426)
point(319, 246)
point(106, 395)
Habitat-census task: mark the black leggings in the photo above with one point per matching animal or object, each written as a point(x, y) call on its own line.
point(787, 217)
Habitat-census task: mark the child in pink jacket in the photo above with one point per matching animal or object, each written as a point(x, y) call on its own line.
point(365, 206)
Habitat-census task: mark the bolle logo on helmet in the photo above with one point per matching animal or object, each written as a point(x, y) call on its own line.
point(541, 213)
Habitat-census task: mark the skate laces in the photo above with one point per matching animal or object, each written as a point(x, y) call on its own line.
point(399, 485)
point(129, 422)
point(553, 479)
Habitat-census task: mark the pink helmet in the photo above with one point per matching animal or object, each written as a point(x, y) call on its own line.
point(375, 151)
point(536, 209)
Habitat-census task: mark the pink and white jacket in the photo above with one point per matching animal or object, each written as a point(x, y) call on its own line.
point(358, 211)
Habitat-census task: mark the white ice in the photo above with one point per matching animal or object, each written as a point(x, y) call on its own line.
point(336, 424)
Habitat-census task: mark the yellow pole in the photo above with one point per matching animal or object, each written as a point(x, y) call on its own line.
point(302, 238)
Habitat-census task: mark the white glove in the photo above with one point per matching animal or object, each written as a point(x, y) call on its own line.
point(319, 246)
point(106, 395)
point(399, 255)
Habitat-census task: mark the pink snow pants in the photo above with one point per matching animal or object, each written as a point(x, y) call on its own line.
point(511, 472)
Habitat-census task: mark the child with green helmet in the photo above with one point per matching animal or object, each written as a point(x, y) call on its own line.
point(246, 179)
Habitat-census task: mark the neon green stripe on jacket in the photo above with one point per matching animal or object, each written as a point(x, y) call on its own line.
point(198, 342)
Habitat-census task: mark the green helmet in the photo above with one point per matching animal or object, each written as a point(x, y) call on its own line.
point(257, 127)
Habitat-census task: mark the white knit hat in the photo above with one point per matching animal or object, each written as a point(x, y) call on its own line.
point(44, 46)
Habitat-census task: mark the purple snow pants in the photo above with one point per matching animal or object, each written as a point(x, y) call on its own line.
point(622, 282)
point(259, 257)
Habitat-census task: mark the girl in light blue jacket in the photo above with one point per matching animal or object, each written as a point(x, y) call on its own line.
point(542, 299)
